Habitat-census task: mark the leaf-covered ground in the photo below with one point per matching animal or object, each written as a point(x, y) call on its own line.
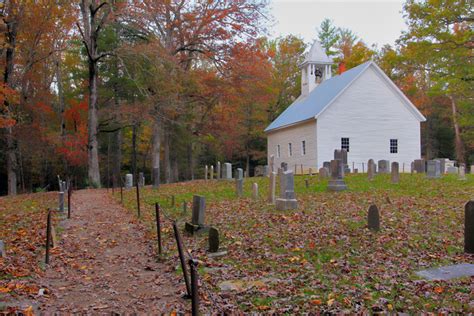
point(23, 229)
point(322, 257)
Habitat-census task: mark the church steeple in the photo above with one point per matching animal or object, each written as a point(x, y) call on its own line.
point(315, 68)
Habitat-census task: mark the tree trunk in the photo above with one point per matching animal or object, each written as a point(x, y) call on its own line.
point(191, 160)
point(93, 144)
point(134, 151)
point(459, 146)
point(167, 162)
point(60, 95)
point(155, 152)
point(175, 169)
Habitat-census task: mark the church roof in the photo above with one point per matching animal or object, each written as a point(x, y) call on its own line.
point(317, 55)
point(312, 105)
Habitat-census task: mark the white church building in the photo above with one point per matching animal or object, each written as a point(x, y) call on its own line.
point(360, 110)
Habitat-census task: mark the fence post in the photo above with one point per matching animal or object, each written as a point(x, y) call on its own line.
point(121, 193)
point(69, 192)
point(138, 199)
point(181, 258)
point(194, 287)
point(48, 236)
point(158, 227)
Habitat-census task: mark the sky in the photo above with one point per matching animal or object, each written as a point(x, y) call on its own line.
point(377, 22)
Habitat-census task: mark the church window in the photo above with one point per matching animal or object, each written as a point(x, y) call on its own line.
point(394, 146)
point(345, 143)
point(290, 152)
point(278, 151)
point(303, 147)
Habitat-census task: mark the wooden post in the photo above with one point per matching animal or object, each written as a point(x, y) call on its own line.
point(194, 287)
point(181, 258)
point(138, 199)
point(48, 236)
point(158, 227)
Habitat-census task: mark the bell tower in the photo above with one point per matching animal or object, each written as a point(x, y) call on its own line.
point(315, 68)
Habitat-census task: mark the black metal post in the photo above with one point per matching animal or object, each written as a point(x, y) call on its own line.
point(181, 258)
point(138, 199)
point(158, 227)
point(48, 236)
point(69, 192)
point(194, 287)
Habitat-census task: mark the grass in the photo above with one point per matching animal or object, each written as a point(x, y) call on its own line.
point(321, 256)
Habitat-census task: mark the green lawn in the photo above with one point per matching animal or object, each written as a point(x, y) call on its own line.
point(321, 257)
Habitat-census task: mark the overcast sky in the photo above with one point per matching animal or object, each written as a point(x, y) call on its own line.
point(375, 21)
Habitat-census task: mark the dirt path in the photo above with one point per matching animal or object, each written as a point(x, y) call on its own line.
point(106, 265)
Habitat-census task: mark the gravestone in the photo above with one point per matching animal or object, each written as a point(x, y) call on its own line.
point(239, 173)
point(227, 171)
point(141, 178)
point(206, 171)
point(336, 183)
point(272, 163)
point(341, 154)
point(384, 166)
point(395, 172)
point(212, 172)
point(310, 172)
point(433, 169)
point(258, 171)
point(373, 218)
point(327, 165)
point(3, 251)
point(156, 177)
point(419, 166)
point(272, 187)
point(213, 239)
point(198, 216)
point(356, 170)
point(472, 169)
point(255, 191)
point(239, 187)
point(469, 227)
point(266, 171)
point(370, 169)
point(323, 173)
point(462, 172)
point(128, 181)
point(442, 164)
point(218, 170)
point(306, 182)
point(448, 272)
point(287, 200)
point(452, 170)
point(284, 166)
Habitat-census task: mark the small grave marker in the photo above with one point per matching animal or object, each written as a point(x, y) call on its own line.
point(213, 239)
point(255, 191)
point(212, 173)
point(197, 220)
point(218, 170)
point(272, 187)
point(395, 172)
point(336, 183)
point(239, 187)
point(206, 171)
point(128, 181)
point(287, 200)
point(370, 169)
point(384, 166)
point(373, 218)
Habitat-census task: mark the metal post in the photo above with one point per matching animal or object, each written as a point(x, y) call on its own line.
point(158, 227)
point(121, 194)
point(69, 192)
point(138, 199)
point(194, 287)
point(48, 236)
point(181, 258)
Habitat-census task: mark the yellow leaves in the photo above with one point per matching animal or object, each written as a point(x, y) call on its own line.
point(28, 311)
point(330, 302)
point(390, 307)
point(5, 290)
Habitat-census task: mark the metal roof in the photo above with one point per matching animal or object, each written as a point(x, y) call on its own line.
point(308, 107)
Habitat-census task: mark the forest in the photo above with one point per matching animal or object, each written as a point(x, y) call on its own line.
point(95, 89)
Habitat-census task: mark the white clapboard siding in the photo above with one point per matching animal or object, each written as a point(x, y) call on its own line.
point(295, 135)
point(370, 113)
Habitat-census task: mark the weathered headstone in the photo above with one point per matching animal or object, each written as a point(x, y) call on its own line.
point(218, 170)
point(462, 172)
point(272, 163)
point(284, 166)
point(323, 173)
point(327, 165)
point(227, 171)
point(384, 166)
point(272, 188)
point(213, 239)
point(266, 171)
point(373, 218)
point(341, 154)
point(239, 173)
point(287, 200)
point(198, 216)
point(212, 172)
point(239, 186)
point(258, 171)
point(336, 183)
point(128, 181)
point(433, 169)
point(306, 182)
point(446, 273)
point(255, 191)
point(420, 166)
point(469, 227)
point(370, 169)
point(61, 201)
point(141, 179)
point(3, 251)
point(310, 172)
point(395, 176)
point(206, 172)
point(452, 170)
